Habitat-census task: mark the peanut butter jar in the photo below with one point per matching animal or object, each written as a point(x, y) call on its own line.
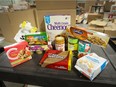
point(60, 43)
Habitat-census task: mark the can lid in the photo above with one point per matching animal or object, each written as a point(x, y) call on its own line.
point(59, 40)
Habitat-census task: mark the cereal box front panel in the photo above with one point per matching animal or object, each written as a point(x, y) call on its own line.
point(56, 24)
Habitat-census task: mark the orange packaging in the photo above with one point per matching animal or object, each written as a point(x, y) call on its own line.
point(57, 60)
point(90, 36)
point(78, 32)
point(18, 53)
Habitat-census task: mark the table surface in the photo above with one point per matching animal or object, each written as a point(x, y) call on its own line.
point(31, 73)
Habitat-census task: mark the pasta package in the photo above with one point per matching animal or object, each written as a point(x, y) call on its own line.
point(91, 65)
point(18, 53)
point(91, 36)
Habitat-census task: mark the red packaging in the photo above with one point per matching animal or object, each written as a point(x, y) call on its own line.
point(18, 53)
point(56, 60)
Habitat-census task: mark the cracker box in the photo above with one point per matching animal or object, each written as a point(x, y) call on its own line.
point(56, 24)
point(90, 36)
point(57, 60)
point(39, 38)
point(18, 53)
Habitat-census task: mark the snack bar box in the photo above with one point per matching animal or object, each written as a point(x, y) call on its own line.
point(18, 53)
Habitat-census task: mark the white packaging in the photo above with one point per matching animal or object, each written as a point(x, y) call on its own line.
point(91, 65)
point(56, 24)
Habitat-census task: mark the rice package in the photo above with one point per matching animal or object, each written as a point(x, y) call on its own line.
point(91, 65)
point(56, 24)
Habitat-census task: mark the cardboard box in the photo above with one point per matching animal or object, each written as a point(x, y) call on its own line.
point(108, 5)
point(96, 28)
point(110, 30)
point(93, 16)
point(54, 7)
point(91, 36)
point(10, 21)
point(88, 5)
point(55, 4)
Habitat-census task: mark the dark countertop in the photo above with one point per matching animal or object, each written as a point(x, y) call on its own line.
point(31, 73)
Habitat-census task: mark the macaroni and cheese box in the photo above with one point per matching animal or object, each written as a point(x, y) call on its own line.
point(18, 53)
point(39, 38)
point(56, 24)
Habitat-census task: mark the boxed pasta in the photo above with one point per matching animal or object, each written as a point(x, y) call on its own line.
point(18, 53)
point(57, 60)
point(39, 38)
point(91, 65)
point(56, 25)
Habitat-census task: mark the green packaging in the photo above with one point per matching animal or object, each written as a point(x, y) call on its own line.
point(72, 43)
point(39, 38)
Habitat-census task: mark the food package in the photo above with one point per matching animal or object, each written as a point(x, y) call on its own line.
point(84, 48)
point(18, 53)
point(91, 36)
point(39, 49)
point(56, 25)
point(39, 38)
point(57, 60)
point(91, 65)
point(25, 28)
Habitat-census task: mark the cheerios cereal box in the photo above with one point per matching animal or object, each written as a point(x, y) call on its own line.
point(56, 24)
point(18, 53)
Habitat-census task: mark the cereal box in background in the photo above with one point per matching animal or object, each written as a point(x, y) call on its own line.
point(18, 53)
point(56, 24)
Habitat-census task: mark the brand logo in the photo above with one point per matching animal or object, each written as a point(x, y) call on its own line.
point(78, 31)
point(54, 56)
